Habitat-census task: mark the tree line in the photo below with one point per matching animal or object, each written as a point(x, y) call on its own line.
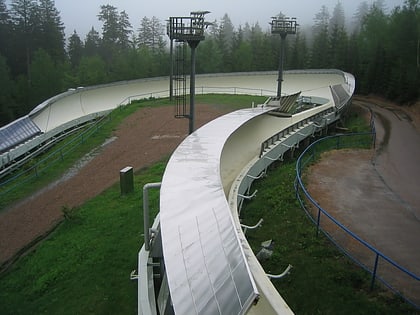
point(37, 61)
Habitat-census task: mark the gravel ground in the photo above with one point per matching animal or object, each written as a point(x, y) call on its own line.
point(142, 139)
point(364, 190)
point(375, 193)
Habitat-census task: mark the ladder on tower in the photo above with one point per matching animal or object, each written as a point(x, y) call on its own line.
point(180, 80)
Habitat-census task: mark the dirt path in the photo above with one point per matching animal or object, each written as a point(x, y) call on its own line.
point(142, 139)
point(376, 193)
point(371, 198)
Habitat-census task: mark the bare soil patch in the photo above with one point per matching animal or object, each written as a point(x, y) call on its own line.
point(368, 191)
point(142, 139)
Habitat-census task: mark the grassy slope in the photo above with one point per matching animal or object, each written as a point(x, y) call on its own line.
point(322, 280)
point(76, 146)
point(84, 266)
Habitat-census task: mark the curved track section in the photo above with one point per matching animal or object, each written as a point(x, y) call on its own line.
point(205, 263)
point(209, 266)
point(78, 106)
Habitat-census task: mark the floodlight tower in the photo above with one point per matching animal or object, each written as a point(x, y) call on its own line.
point(191, 30)
point(282, 26)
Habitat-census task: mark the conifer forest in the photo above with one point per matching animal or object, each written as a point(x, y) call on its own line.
point(379, 45)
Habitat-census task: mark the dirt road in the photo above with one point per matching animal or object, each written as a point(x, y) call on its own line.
point(142, 139)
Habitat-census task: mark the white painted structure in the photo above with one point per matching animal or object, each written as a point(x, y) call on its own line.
point(208, 266)
point(205, 263)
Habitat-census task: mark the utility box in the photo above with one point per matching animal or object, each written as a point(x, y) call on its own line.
point(126, 180)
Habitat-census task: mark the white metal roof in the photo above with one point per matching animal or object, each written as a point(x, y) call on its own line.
point(205, 263)
point(206, 267)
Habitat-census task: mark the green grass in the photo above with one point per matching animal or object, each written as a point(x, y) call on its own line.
point(356, 119)
point(53, 164)
point(323, 280)
point(52, 167)
point(233, 103)
point(84, 266)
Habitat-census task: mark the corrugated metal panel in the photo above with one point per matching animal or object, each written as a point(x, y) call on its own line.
point(206, 267)
point(17, 132)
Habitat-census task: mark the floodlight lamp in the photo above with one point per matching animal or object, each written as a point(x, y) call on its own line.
point(199, 13)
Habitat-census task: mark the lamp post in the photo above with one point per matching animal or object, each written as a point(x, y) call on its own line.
point(191, 30)
point(282, 26)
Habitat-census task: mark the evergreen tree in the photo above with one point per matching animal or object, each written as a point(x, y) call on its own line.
point(261, 52)
point(374, 53)
point(353, 61)
point(5, 30)
point(7, 105)
point(243, 57)
point(382, 50)
point(404, 37)
point(92, 70)
point(124, 31)
point(213, 61)
point(379, 5)
point(358, 18)
point(75, 49)
point(110, 29)
point(338, 39)
point(320, 46)
point(116, 28)
point(246, 32)
point(151, 34)
point(338, 17)
point(24, 16)
point(299, 58)
point(92, 43)
point(225, 38)
point(51, 30)
point(115, 34)
point(127, 65)
point(46, 77)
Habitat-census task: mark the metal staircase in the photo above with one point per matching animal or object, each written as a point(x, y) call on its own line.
point(180, 80)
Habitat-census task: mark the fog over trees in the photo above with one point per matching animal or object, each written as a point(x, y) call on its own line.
point(37, 61)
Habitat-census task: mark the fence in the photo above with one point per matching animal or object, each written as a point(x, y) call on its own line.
point(400, 280)
point(25, 170)
point(30, 171)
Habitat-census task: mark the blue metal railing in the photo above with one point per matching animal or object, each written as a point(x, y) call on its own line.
point(411, 280)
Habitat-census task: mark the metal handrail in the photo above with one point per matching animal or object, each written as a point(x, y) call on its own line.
point(129, 99)
point(299, 185)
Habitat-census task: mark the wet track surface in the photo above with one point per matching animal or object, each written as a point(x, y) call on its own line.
point(398, 156)
point(376, 194)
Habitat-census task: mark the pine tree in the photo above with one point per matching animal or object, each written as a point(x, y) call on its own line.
point(299, 52)
point(24, 16)
point(110, 29)
point(5, 30)
point(320, 47)
point(225, 38)
point(151, 34)
point(92, 43)
point(7, 104)
point(374, 53)
point(75, 49)
point(338, 39)
point(51, 30)
point(404, 43)
point(46, 77)
point(124, 31)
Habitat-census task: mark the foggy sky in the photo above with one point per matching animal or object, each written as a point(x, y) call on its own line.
point(81, 15)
